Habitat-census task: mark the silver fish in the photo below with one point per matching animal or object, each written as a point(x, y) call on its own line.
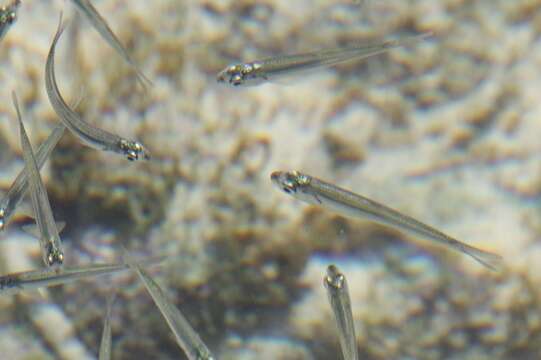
point(15, 283)
point(315, 191)
point(99, 23)
point(188, 340)
point(8, 16)
point(88, 134)
point(105, 345)
point(18, 188)
point(337, 290)
point(261, 71)
point(51, 246)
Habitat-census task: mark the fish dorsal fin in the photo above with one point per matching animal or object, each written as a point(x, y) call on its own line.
point(33, 229)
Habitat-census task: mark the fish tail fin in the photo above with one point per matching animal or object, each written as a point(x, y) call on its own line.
point(408, 40)
point(142, 79)
point(488, 259)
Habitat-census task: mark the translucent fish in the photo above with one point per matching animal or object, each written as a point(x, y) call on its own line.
point(8, 17)
point(101, 26)
point(315, 191)
point(270, 69)
point(337, 291)
point(18, 189)
point(88, 134)
point(188, 340)
point(31, 280)
point(106, 338)
point(51, 246)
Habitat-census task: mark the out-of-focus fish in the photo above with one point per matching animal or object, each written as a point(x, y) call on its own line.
point(8, 16)
point(186, 337)
point(337, 290)
point(315, 191)
point(269, 69)
point(30, 280)
point(99, 23)
point(105, 345)
point(51, 246)
point(88, 134)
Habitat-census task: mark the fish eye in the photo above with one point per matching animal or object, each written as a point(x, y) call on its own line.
point(131, 155)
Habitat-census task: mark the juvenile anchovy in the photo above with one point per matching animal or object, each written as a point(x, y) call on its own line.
point(105, 345)
point(28, 280)
point(18, 188)
point(337, 290)
point(260, 71)
point(51, 246)
point(186, 337)
point(318, 192)
point(8, 16)
point(99, 23)
point(88, 134)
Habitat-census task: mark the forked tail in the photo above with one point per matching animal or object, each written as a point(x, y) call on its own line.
point(490, 260)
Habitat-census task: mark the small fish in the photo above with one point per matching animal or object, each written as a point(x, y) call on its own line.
point(16, 192)
point(8, 16)
point(105, 345)
point(337, 290)
point(99, 23)
point(51, 246)
point(15, 283)
point(188, 340)
point(88, 134)
point(260, 71)
point(315, 191)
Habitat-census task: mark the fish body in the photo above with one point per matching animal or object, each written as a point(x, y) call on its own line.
point(90, 135)
point(338, 293)
point(51, 246)
point(106, 336)
point(188, 340)
point(30, 280)
point(261, 71)
point(101, 26)
point(315, 191)
point(8, 17)
point(18, 189)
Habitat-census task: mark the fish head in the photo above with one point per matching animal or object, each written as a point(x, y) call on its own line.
point(53, 256)
point(292, 183)
point(334, 279)
point(241, 75)
point(8, 15)
point(134, 150)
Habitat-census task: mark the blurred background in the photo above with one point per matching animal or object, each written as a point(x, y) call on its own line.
point(447, 131)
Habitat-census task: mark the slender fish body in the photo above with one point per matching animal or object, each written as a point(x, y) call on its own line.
point(29, 280)
point(88, 134)
point(188, 340)
point(51, 246)
point(106, 336)
point(315, 191)
point(261, 71)
point(8, 17)
point(18, 189)
point(101, 26)
point(337, 291)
